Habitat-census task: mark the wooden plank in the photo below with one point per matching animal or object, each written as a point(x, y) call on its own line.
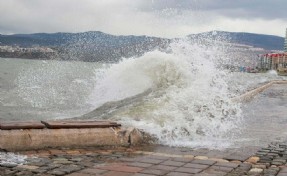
point(21, 125)
point(56, 124)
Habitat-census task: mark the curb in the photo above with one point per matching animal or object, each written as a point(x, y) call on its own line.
point(250, 94)
point(32, 139)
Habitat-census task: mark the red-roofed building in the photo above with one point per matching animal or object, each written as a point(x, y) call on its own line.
point(274, 61)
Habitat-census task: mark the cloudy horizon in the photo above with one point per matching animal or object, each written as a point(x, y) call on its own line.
point(161, 18)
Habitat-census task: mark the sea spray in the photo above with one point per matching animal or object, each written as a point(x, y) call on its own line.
point(272, 72)
point(12, 159)
point(189, 102)
point(57, 89)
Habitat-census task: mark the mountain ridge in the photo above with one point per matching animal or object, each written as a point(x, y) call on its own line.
point(100, 46)
point(265, 41)
point(252, 39)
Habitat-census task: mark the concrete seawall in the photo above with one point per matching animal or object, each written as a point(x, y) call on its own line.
point(31, 139)
point(250, 94)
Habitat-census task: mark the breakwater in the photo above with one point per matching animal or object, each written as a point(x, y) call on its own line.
point(31, 135)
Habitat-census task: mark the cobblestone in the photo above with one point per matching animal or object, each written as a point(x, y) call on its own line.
point(8, 165)
point(188, 170)
point(206, 162)
point(140, 163)
point(154, 171)
point(231, 165)
point(197, 166)
point(163, 167)
point(151, 161)
point(173, 163)
point(274, 154)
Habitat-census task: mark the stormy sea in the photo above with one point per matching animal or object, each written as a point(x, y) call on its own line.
point(181, 96)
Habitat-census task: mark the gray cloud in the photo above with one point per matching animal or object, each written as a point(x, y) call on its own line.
point(269, 9)
point(266, 9)
point(166, 18)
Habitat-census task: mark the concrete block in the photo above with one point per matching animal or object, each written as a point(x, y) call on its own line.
point(31, 139)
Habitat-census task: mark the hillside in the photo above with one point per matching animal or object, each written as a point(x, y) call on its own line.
point(267, 42)
point(88, 46)
point(99, 46)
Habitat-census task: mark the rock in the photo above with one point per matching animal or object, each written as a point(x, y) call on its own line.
point(57, 172)
point(272, 155)
point(188, 156)
point(87, 164)
point(271, 171)
point(261, 153)
point(274, 152)
point(27, 167)
point(283, 145)
point(70, 168)
point(135, 136)
point(265, 161)
point(9, 165)
point(280, 149)
point(201, 157)
point(220, 160)
point(39, 171)
point(276, 163)
point(10, 172)
point(256, 170)
point(280, 160)
point(76, 159)
point(51, 166)
point(60, 159)
point(63, 162)
point(262, 166)
point(26, 173)
point(38, 162)
point(253, 159)
point(264, 150)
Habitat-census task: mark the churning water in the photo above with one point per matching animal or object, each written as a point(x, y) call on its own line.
point(33, 89)
point(180, 96)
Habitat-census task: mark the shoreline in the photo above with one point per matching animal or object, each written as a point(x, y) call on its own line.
point(150, 159)
point(28, 134)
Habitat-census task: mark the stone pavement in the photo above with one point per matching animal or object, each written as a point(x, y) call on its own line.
point(136, 162)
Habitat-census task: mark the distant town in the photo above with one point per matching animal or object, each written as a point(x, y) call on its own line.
point(275, 60)
point(36, 52)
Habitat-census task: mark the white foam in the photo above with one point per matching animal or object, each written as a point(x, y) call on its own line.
point(272, 72)
point(11, 158)
point(190, 100)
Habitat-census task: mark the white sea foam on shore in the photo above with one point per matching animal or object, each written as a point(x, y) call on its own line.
point(190, 98)
point(12, 158)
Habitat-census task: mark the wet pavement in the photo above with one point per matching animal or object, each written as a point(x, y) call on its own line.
point(265, 118)
point(262, 151)
point(142, 162)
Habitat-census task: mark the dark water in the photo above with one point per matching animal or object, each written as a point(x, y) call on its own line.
point(32, 89)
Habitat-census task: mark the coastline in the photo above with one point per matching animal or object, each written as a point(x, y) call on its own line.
point(154, 159)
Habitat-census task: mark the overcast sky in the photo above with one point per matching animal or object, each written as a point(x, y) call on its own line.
point(163, 18)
